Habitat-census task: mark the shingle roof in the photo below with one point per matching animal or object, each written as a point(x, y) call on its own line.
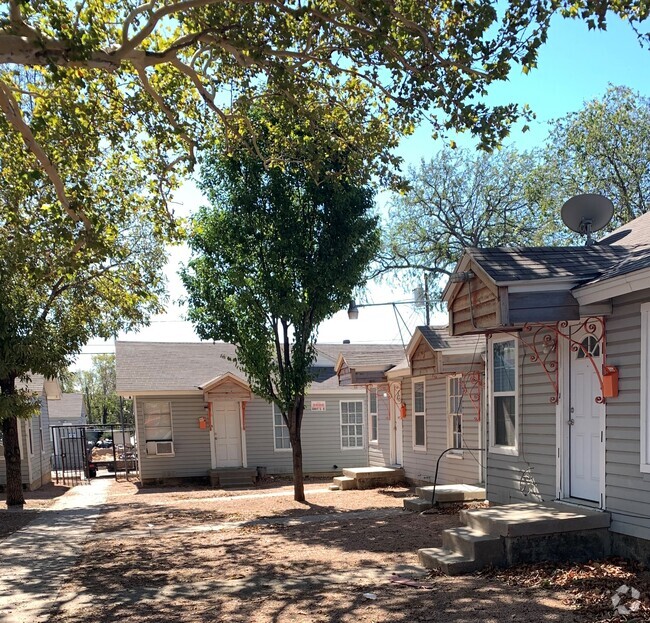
point(511, 264)
point(174, 366)
point(439, 339)
point(69, 407)
point(35, 384)
point(632, 233)
point(381, 356)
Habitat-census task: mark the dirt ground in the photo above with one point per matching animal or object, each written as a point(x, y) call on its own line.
point(35, 501)
point(200, 555)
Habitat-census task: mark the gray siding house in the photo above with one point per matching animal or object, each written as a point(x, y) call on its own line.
point(445, 375)
point(69, 409)
point(195, 412)
point(34, 437)
point(568, 373)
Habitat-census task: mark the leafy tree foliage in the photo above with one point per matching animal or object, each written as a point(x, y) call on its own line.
point(277, 253)
point(74, 263)
point(173, 63)
point(602, 148)
point(458, 199)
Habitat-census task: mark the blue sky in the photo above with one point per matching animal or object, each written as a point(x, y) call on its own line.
point(575, 65)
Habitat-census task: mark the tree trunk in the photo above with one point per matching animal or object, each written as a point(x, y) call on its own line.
point(298, 481)
point(14, 487)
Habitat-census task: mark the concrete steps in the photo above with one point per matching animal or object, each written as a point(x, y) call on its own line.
point(519, 533)
point(444, 494)
point(367, 478)
point(228, 477)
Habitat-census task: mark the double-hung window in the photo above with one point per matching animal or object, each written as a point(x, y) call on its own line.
point(351, 424)
point(373, 415)
point(455, 412)
point(504, 399)
point(157, 420)
point(419, 415)
point(280, 432)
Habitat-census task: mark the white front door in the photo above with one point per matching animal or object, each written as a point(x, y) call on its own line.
point(395, 425)
point(585, 419)
point(227, 434)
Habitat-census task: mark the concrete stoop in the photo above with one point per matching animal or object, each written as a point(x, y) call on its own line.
point(512, 534)
point(445, 494)
point(226, 477)
point(367, 478)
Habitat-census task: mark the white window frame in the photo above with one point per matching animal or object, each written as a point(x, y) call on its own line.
point(362, 436)
point(451, 414)
point(494, 448)
point(274, 411)
point(373, 416)
point(417, 414)
point(644, 396)
point(144, 420)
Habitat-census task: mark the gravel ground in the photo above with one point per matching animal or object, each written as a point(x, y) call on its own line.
point(322, 561)
point(35, 501)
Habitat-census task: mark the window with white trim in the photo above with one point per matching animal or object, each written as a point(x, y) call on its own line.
point(373, 415)
point(281, 439)
point(157, 420)
point(419, 416)
point(455, 412)
point(504, 398)
point(351, 424)
point(645, 388)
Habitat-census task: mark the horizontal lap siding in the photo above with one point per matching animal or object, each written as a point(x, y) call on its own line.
point(421, 465)
point(379, 453)
point(531, 475)
point(627, 490)
point(191, 444)
point(321, 437)
point(41, 459)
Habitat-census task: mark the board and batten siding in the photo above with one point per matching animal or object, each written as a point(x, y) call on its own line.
point(531, 475)
point(627, 489)
point(420, 465)
point(192, 457)
point(321, 437)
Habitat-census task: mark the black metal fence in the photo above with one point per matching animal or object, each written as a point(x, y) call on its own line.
point(82, 452)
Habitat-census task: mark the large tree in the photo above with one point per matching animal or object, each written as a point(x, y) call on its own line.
point(602, 148)
point(458, 199)
point(78, 259)
point(277, 252)
point(176, 61)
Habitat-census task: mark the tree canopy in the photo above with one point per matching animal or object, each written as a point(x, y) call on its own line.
point(173, 69)
point(275, 254)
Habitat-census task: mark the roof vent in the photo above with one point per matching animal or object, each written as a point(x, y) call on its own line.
point(585, 214)
point(346, 341)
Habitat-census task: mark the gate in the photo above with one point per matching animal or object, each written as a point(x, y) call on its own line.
point(81, 452)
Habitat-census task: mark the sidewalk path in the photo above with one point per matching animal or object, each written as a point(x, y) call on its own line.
point(36, 560)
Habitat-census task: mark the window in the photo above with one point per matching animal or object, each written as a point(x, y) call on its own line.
point(373, 415)
point(455, 412)
point(351, 425)
point(419, 416)
point(645, 388)
point(504, 395)
point(157, 421)
point(280, 431)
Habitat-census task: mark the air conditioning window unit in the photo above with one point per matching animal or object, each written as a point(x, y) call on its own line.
point(160, 448)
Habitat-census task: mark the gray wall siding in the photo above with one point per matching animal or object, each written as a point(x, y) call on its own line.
point(379, 453)
point(421, 465)
point(321, 437)
point(531, 475)
point(191, 444)
point(627, 489)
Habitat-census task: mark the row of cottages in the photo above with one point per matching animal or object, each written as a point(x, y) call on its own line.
point(422, 403)
point(34, 436)
point(196, 415)
point(568, 373)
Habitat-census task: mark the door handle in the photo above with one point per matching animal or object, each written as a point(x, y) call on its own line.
point(571, 422)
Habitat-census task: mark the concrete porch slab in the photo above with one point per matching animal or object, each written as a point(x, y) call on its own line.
point(529, 518)
point(452, 493)
point(369, 477)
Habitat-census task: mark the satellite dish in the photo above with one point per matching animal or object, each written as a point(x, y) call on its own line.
point(586, 214)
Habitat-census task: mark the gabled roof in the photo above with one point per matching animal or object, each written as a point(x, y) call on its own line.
point(68, 407)
point(438, 338)
point(632, 233)
point(367, 356)
point(38, 384)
